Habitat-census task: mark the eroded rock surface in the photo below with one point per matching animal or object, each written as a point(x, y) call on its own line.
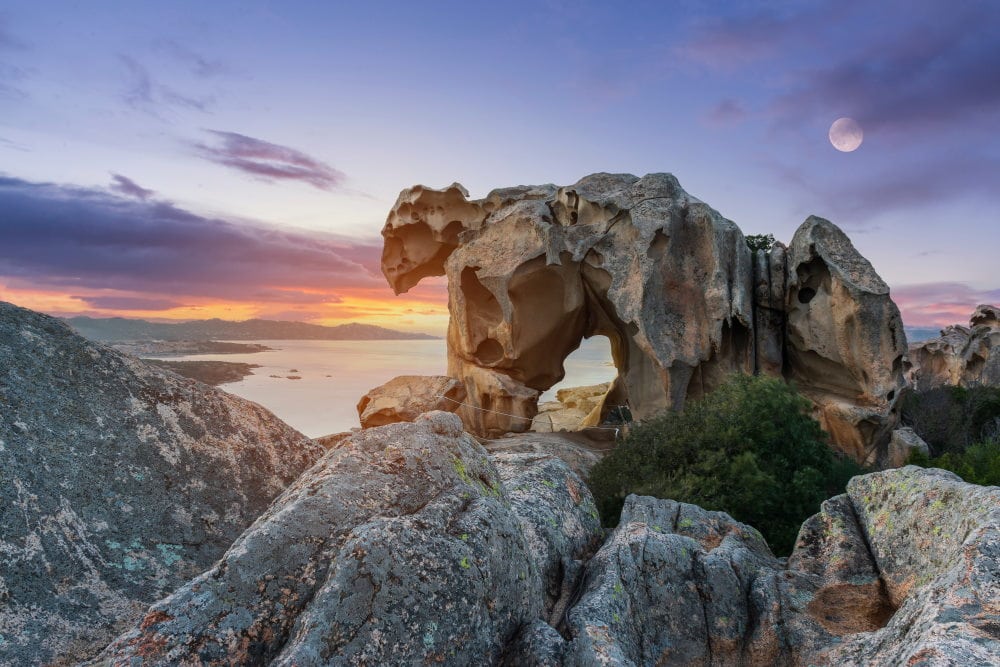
point(406, 397)
point(405, 545)
point(118, 483)
point(844, 339)
point(903, 569)
point(534, 269)
point(960, 356)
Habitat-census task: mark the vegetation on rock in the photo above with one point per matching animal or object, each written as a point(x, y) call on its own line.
point(760, 242)
point(978, 464)
point(749, 448)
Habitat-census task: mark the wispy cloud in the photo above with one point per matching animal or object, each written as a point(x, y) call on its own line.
point(113, 302)
point(74, 238)
point(940, 304)
point(268, 161)
point(726, 112)
point(197, 63)
point(928, 72)
point(143, 93)
point(130, 188)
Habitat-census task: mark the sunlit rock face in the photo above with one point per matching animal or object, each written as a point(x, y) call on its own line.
point(532, 270)
point(845, 345)
point(118, 482)
point(960, 356)
point(406, 397)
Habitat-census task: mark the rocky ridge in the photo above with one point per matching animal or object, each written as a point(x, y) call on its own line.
point(118, 482)
point(534, 269)
point(960, 356)
point(409, 544)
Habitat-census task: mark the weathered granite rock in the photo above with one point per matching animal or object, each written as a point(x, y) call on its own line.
point(118, 482)
point(675, 584)
point(534, 269)
point(936, 542)
point(405, 545)
point(406, 397)
point(579, 449)
point(575, 408)
point(960, 356)
point(904, 442)
point(845, 340)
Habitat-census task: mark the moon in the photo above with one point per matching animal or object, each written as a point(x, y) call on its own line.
point(846, 135)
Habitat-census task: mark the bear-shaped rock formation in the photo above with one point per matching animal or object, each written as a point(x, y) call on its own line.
point(532, 270)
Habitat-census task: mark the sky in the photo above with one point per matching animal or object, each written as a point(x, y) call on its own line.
point(188, 160)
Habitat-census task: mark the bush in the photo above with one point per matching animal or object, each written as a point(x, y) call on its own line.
point(749, 448)
point(978, 464)
point(950, 419)
point(760, 242)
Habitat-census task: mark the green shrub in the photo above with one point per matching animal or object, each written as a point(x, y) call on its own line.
point(749, 448)
point(760, 242)
point(950, 419)
point(978, 464)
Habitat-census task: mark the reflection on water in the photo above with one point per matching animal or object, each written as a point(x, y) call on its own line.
point(335, 374)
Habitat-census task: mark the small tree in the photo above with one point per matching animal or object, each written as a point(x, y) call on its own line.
point(749, 448)
point(760, 242)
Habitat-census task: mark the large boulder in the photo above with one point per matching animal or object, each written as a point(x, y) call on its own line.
point(904, 569)
point(844, 340)
point(960, 356)
point(532, 270)
point(406, 397)
point(408, 544)
point(118, 483)
point(405, 545)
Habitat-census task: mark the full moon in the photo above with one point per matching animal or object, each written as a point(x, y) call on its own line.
point(846, 135)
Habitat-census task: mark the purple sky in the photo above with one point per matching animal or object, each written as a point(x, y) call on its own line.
point(246, 153)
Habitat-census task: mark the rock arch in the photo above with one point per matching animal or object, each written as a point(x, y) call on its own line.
point(534, 269)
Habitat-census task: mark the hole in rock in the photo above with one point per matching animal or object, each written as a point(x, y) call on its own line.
point(891, 395)
point(589, 365)
point(806, 294)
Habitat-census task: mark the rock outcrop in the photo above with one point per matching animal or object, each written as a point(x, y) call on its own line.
point(405, 545)
point(409, 545)
point(960, 356)
point(844, 339)
point(118, 482)
point(406, 397)
point(534, 269)
point(574, 408)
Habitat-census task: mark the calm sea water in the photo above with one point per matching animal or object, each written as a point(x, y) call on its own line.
point(335, 374)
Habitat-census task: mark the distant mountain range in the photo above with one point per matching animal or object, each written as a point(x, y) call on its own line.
point(122, 329)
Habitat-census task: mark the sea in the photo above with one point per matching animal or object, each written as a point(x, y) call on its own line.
point(315, 385)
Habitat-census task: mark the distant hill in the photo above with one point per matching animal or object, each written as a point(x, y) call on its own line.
point(122, 329)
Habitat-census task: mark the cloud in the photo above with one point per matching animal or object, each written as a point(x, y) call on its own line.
point(726, 112)
point(130, 188)
point(129, 303)
point(74, 238)
point(144, 94)
point(196, 63)
point(940, 304)
point(910, 185)
point(267, 161)
point(930, 71)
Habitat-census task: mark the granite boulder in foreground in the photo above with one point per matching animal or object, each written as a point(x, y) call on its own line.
point(405, 545)
point(408, 544)
point(118, 483)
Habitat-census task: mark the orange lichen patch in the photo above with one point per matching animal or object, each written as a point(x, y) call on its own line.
point(574, 490)
point(153, 618)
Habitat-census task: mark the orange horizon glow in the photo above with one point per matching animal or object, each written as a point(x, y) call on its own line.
point(420, 313)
